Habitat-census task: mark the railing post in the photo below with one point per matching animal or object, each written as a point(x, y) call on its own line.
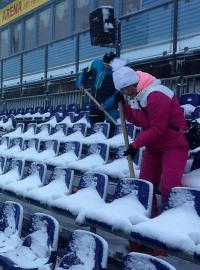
point(175, 35)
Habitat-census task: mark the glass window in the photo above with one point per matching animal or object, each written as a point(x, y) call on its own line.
point(16, 35)
point(29, 33)
point(4, 43)
point(105, 3)
point(81, 15)
point(61, 14)
point(43, 26)
point(129, 6)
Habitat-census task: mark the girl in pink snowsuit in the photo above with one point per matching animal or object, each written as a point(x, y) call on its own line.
point(157, 111)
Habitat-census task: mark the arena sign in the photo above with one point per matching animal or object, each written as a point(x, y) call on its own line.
point(18, 8)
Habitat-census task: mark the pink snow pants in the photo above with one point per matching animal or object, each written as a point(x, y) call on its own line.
point(164, 169)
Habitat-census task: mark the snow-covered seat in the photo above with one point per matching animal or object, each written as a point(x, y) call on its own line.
point(140, 261)
point(117, 139)
point(53, 121)
point(131, 204)
point(78, 132)
point(15, 146)
point(13, 174)
point(19, 113)
point(60, 132)
point(92, 190)
point(85, 250)
point(17, 132)
point(86, 107)
point(181, 213)
point(11, 216)
point(189, 102)
point(59, 184)
point(100, 132)
point(119, 167)
point(4, 144)
point(3, 160)
point(83, 117)
point(28, 113)
point(72, 107)
point(8, 125)
point(51, 149)
point(30, 131)
point(35, 178)
point(68, 119)
point(30, 148)
point(38, 112)
point(38, 248)
point(43, 131)
point(71, 152)
point(97, 155)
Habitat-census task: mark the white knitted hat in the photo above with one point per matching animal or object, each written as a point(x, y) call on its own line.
point(124, 76)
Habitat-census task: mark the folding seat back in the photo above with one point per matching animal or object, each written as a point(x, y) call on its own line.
point(99, 181)
point(38, 169)
point(84, 114)
point(86, 107)
point(190, 98)
point(20, 111)
point(16, 141)
point(11, 216)
point(49, 109)
point(80, 127)
point(130, 130)
point(180, 196)
point(85, 249)
point(62, 127)
point(101, 149)
point(139, 261)
point(60, 109)
point(74, 146)
point(4, 142)
point(196, 113)
point(3, 160)
point(32, 126)
point(17, 165)
point(44, 128)
point(52, 145)
point(102, 128)
point(137, 158)
point(20, 127)
point(29, 110)
point(39, 109)
point(73, 107)
point(4, 112)
point(12, 111)
point(42, 236)
point(62, 174)
point(140, 188)
point(32, 143)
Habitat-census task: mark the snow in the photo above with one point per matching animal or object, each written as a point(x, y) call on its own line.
point(63, 160)
point(88, 163)
point(25, 154)
point(192, 179)
point(52, 121)
point(29, 134)
point(67, 121)
point(75, 136)
point(116, 141)
point(83, 120)
point(9, 177)
point(16, 133)
point(97, 137)
point(55, 136)
point(41, 156)
point(188, 109)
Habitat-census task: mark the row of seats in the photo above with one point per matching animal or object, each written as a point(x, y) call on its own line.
point(37, 250)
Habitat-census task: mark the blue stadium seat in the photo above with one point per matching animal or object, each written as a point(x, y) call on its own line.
point(14, 173)
point(73, 107)
point(11, 216)
point(60, 131)
point(97, 155)
point(78, 131)
point(85, 249)
point(35, 178)
point(86, 107)
point(134, 199)
point(59, 184)
point(30, 131)
point(92, 190)
point(3, 160)
point(38, 247)
point(190, 98)
point(184, 204)
point(43, 131)
point(19, 129)
point(140, 261)
point(12, 112)
point(4, 144)
point(15, 146)
point(30, 148)
point(71, 152)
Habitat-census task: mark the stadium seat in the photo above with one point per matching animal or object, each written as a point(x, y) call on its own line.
point(38, 248)
point(68, 119)
point(78, 132)
point(30, 131)
point(140, 261)
point(71, 152)
point(97, 155)
point(59, 132)
point(15, 146)
point(92, 190)
point(43, 131)
point(119, 168)
point(28, 113)
point(4, 143)
point(3, 160)
point(30, 148)
point(35, 178)
point(85, 107)
point(11, 216)
point(19, 113)
point(84, 250)
point(83, 117)
point(100, 132)
point(17, 132)
point(181, 212)
point(59, 184)
point(73, 107)
point(14, 173)
point(190, 98)
point(134, 199)
point(12, 112)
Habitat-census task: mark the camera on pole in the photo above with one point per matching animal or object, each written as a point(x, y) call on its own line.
point(103, 27)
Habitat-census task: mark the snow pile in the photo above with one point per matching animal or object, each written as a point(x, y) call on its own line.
point(192, 179)
point(63, 160)
point(188, 109)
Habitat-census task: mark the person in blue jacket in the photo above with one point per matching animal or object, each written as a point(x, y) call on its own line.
point(102, 88)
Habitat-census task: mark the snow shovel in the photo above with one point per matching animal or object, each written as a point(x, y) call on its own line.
point(125, 133)
point(99, 105)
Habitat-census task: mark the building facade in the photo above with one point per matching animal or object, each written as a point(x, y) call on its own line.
point(45, 43)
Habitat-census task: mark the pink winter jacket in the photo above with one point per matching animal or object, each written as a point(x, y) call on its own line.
point(160, 107)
